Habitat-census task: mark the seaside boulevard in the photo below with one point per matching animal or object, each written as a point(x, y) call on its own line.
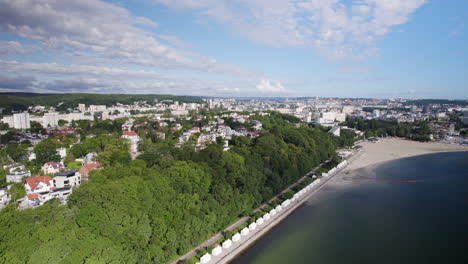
point(367, 157)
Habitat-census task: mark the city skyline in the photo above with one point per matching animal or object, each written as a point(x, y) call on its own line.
point(370, 48)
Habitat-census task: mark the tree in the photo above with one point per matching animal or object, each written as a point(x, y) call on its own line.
point(46, 151)
point(62, 122)
point(15, 151)
point(17, 191)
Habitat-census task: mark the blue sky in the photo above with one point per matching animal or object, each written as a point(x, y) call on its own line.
point(329, 48)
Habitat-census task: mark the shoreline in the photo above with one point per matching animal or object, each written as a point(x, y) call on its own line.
point(367, 158)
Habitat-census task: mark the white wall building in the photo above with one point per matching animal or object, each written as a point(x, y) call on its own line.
point(50, 119)
point(69, 178)
point(97, 108)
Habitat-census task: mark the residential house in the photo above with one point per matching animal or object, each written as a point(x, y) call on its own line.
point(133, 139)
point(5, 197)
point(89, 158)
point(17, 175)
point(38, 199)
point(14, 167)
point(52, 167)
point(67, 178)
point(85, 170)
point(38, 184)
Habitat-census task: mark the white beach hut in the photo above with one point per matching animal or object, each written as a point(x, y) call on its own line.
point(245, 231)
point(236, 237)
point(279, 208)
point(273, 212)
point(205, 258)
point(259, 221)
point(227, 243)
point(267, 216)
point(252, 226)
point(286, 203)
point(294, 197)
point(216, 251)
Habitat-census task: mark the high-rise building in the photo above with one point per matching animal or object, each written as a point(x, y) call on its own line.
point(97, 108)
point(21, 121)
point(82, 108)
point(50, 119)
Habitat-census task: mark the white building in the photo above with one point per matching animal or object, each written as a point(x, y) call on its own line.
point(336, 130)
point(38, 184)
point(37, 199)
point(14, 167)
point(52, 167)
point(50, 119)
point(69, 178)
point(5, 197)
point(340, 117)
point(22, 121)
point(18, 121)
point(62, 152)
point(17, 175)
point(82, 108)
point(133, 139)
point(97, 108)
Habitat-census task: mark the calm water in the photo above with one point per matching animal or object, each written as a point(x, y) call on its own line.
point(388, 220)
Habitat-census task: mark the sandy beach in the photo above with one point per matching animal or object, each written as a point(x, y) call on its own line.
point(373, 154)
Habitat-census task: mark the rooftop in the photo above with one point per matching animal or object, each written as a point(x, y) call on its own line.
point(67, 173)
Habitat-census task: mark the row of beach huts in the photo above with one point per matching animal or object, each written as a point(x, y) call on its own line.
point(245, 232)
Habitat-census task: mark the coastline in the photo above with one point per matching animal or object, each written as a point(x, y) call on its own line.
point(370, 156)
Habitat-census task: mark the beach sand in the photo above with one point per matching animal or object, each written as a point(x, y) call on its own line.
point(372, 155)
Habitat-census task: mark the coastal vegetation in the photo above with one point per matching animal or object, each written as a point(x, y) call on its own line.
point(419, 130)
point(165, 202)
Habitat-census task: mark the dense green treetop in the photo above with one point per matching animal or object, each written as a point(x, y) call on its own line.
point(168, 200)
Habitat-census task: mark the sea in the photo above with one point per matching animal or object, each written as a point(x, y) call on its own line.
point(411, 210)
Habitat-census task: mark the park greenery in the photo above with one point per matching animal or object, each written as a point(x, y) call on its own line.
point(419, 130)
point(165, 202)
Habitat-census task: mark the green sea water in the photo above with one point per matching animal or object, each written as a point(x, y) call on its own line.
point(412, 210)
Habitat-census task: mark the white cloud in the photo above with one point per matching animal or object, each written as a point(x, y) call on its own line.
point(266, 86)
point(14, 47)
point(336, 28)
point(54, 77)
point(102, 31)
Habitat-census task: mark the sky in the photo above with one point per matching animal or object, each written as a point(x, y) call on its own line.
point(237, 48)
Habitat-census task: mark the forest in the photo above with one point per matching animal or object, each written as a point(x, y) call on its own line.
point(21, 101)
point(418, 131)
point(165, 202)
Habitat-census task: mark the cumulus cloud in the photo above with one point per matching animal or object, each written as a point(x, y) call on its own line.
point(54, 77)
point(266, 86)
point(336, 28)
point(101, 31)
point(15, 47)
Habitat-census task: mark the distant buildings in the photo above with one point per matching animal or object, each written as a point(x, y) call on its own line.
point(50, 119)
point(18, 121)
point(82, 108)
point(97, 108)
